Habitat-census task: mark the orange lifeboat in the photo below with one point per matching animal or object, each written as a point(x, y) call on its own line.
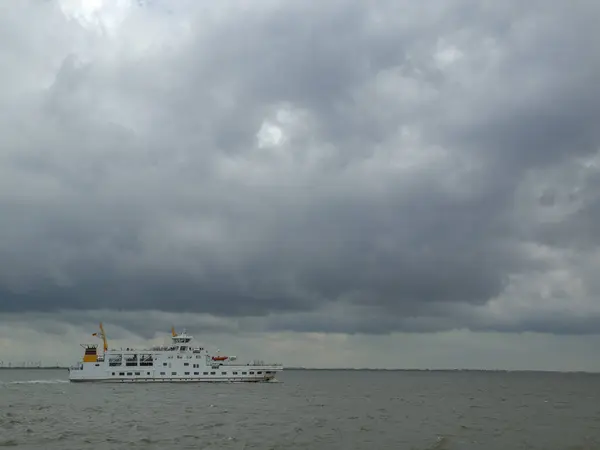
point(219, 358)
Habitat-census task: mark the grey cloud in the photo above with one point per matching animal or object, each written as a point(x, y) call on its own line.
point(132, 179)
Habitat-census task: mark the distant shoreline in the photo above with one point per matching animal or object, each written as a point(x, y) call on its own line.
point(34, 368)
point(365, 369)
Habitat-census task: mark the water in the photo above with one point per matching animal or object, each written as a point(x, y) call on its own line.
point(314, 410)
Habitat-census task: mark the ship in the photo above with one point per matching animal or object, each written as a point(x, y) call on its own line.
point(181, 361)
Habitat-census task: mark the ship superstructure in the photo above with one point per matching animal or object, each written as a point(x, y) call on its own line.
point(181, 361)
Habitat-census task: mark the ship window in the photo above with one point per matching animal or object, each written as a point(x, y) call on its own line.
point(235, 373)
point(187, 373)
point(162, 373)
point(137, 373)
point(244, 373)
point(113, 374)
point(205, 373)
point(223, 373)
point(121, 373)
point(178, 356)
point(164, 364)
point(97, 365)
point(198, 356)
point(186, 364)
point(259, 373)
point(212, 373)
point(173, 373)
point(129, 373)
point(196, 373)
point(251, 373)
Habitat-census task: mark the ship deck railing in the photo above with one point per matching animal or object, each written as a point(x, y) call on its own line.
point(152, 349)
point(251, 363)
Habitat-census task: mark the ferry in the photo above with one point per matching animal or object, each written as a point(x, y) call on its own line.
point(181, 361)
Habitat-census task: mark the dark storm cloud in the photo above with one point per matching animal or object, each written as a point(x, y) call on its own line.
point(131, 177)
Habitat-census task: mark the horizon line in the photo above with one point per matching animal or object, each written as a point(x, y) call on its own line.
point(362, 369)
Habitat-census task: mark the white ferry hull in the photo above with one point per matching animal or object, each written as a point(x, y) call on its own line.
point(77, 375)
point(168, 380)
point(156, 380)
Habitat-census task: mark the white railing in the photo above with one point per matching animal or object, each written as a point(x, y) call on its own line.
point(251, 363)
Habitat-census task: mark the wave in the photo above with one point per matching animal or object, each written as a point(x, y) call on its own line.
point(35, 382)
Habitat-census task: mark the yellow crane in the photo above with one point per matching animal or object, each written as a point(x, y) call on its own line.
point(103, 336)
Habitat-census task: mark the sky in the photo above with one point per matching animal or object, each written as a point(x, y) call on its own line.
point(390, 183)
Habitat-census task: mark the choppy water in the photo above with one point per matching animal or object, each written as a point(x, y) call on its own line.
point(306, 410)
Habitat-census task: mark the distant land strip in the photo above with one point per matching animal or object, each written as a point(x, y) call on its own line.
point(366, 369)
point(32, 368)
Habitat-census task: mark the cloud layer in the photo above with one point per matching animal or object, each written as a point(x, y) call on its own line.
point(338, 166)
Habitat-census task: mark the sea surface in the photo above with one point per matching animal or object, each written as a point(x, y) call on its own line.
point(306, 409)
